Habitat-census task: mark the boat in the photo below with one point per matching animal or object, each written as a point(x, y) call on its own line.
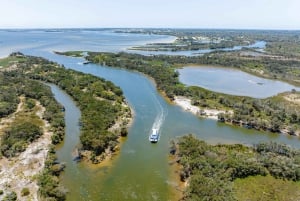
point(154, 137)
point(86, 62)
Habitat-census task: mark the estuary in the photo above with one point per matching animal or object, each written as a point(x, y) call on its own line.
point(140, 171)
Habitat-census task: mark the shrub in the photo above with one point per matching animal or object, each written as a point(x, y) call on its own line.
point(12, 196)
point(25, 192)
point(16, 139)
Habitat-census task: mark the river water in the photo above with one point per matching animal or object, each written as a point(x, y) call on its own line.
point(140, 171)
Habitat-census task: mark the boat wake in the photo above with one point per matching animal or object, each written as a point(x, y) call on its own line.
point(254, 82)
point(161, 115)
point(251, 81)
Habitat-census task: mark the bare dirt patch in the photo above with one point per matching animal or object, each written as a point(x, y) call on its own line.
point(294, 98)
point(20, 172)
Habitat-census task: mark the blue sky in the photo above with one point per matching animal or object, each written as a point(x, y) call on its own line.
point(254, 14)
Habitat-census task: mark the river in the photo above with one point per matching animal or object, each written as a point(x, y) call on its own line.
point(140, 171)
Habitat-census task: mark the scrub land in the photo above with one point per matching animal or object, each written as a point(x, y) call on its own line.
point(32, 123)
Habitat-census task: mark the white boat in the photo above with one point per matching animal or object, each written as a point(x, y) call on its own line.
point(154, 137)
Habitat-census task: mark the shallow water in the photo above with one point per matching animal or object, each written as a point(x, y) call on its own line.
point(232, 81)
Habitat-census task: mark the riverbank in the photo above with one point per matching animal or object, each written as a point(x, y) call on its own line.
point(185, 103)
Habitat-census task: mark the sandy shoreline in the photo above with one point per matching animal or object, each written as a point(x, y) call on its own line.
point(185, 103)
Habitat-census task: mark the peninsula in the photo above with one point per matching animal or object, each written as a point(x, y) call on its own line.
point(28, 106)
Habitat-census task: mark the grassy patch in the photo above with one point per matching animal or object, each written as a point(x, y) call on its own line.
point(266, 188)
point(71, 53)
point(10, 60)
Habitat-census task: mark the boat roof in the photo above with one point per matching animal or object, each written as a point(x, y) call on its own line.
point(154, 131)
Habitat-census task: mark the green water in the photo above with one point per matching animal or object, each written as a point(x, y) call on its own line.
point(141, 170)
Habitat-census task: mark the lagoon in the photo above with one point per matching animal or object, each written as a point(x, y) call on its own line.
point(232, 81)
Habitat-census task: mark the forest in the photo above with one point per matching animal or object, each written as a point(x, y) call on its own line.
point(15, 139)
point(213, 170)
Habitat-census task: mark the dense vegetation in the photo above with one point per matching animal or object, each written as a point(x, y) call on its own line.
point(273, 114)
point(211, 169)
point(26, 126)
point(48, 181)
point(16, 138)
point(100, 101)
point(26, 129)
point(265, 188)
point(165, 76)
point(53, 113)
point(8, 96)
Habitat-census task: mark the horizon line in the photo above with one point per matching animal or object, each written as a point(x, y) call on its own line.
point(180, 28)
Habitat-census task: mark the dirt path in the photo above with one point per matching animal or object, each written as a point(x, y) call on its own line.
point(5, 122)
point(20, 172)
